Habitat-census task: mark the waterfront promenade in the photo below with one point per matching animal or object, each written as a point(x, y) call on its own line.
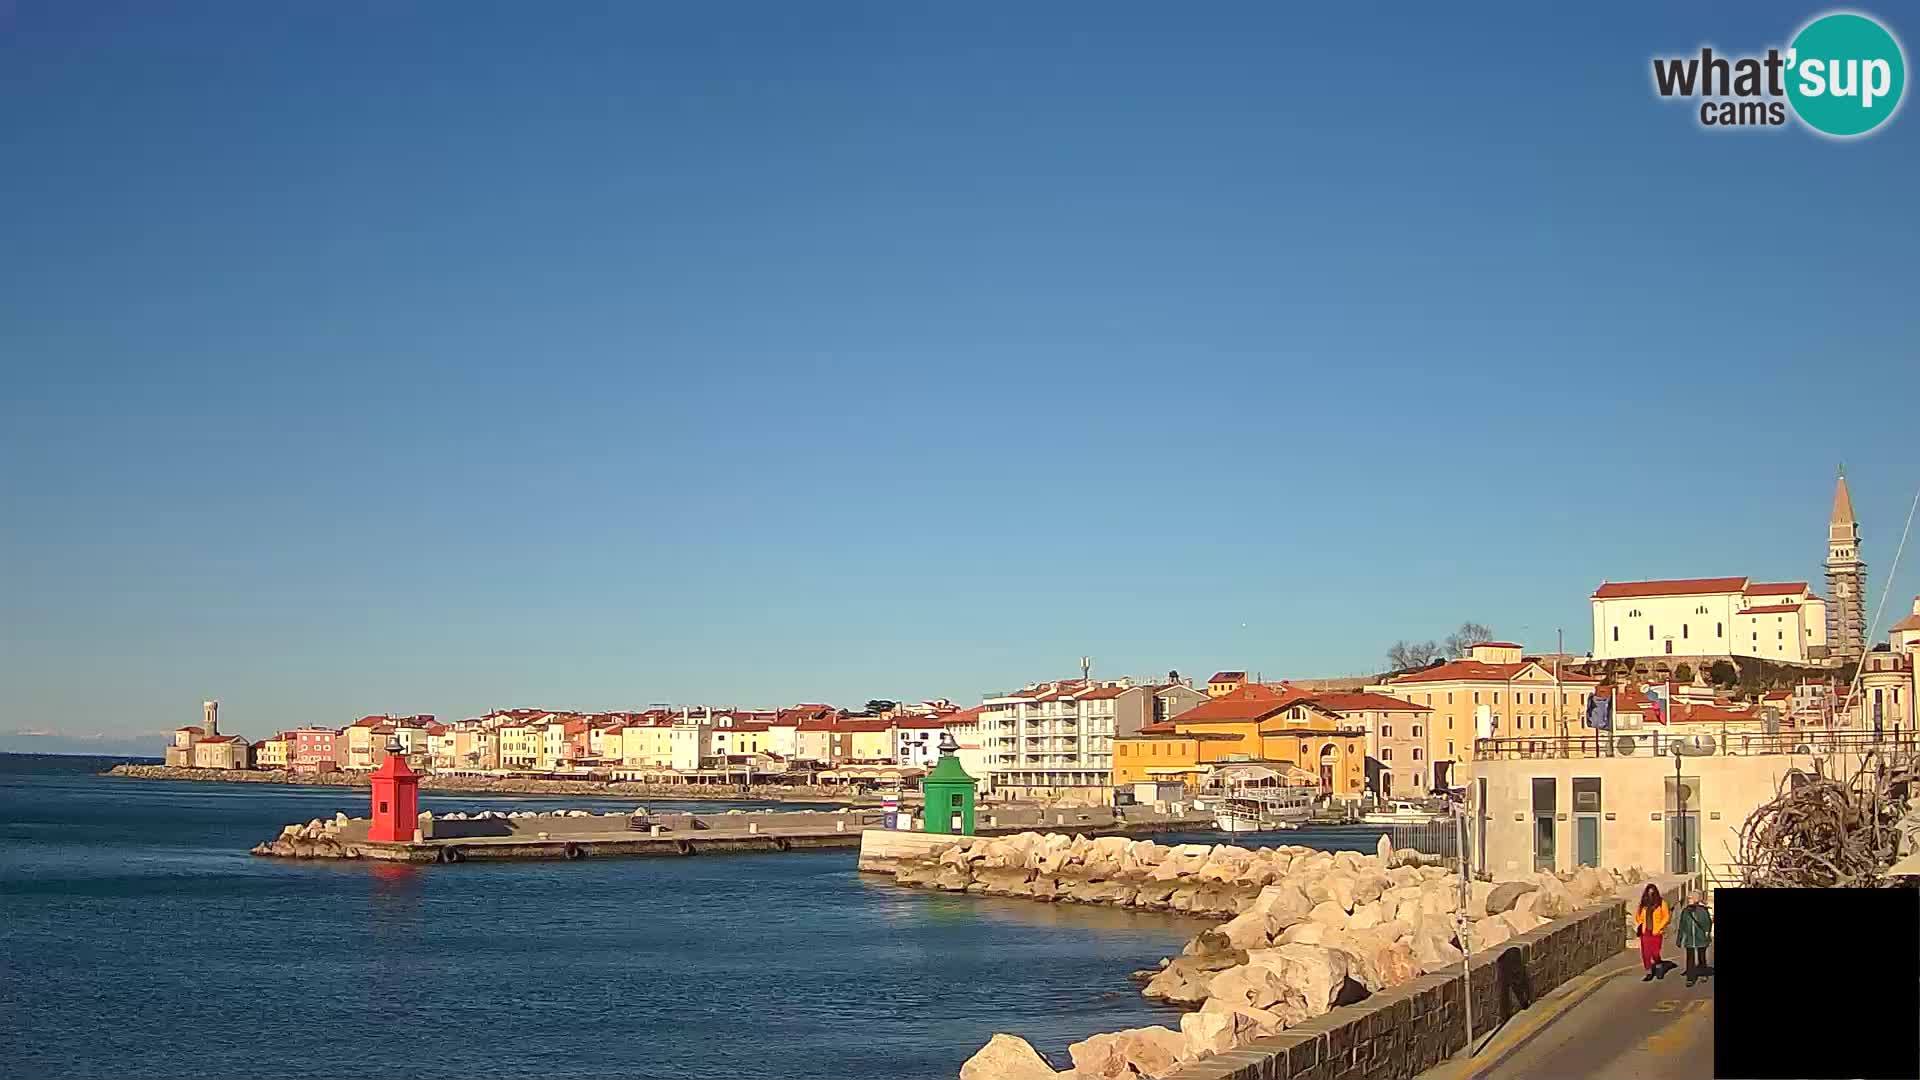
point(1607, 1024)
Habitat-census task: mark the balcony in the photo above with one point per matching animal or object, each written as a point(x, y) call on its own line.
point(1657, 743)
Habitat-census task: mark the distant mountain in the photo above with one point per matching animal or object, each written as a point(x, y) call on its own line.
point(108, 745)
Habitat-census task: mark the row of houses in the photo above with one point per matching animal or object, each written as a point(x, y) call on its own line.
point(619, 745)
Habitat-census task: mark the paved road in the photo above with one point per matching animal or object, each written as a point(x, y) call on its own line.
point(1605, 1024)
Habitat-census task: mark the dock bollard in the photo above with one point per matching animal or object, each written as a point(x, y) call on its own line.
point(1059, 819)
point(656, 830)
point(839, 826)
point(753, 828)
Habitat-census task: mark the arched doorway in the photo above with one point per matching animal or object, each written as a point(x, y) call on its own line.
point(1328, 760)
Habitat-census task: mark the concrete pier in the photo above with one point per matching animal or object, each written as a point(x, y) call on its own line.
point(577, 835)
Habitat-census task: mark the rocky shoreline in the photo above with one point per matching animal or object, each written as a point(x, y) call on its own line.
point(492, 785)
point(1306, 931)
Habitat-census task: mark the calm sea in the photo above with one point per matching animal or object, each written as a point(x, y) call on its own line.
point(138, 938)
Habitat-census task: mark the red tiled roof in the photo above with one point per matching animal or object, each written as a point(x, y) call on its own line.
point(220, 739)
point(1228, 676)
point(750, 725)
point(1911, 622)
point(1361, 701)
point(194, 730)
point(1101, 694)
point(922, 723)
point(1495, 645)
point(1672, 587)
point(1775, 588)
point(1480, 671)
point(1712, 714)
point(370, 721)
point(1164, 727)
point(1232, 708)
point(1770, 609)
point(863, 725)
point(818, 725)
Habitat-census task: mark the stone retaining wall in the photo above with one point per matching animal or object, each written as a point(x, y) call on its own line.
point(1404, 1030)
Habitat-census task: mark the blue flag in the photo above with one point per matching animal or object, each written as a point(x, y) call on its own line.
point(1599, 713)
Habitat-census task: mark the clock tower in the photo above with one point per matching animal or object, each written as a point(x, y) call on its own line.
point(1846, 580)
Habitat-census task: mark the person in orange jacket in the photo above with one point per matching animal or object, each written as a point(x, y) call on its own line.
point(1650, 919)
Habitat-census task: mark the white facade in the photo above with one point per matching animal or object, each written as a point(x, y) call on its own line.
point(1709, 617)
point(1052, 738)
point(919, 745)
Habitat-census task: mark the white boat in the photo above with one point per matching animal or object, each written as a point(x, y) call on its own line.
point(1402, 813)
point(1255, 810)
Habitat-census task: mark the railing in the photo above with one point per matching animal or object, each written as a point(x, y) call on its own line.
point(1659, 743)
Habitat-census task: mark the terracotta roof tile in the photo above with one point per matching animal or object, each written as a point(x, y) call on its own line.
point(1670, 587)
point(1769, 609)
point(1776, 588)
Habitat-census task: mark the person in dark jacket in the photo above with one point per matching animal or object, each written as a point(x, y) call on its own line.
point(1694, 933)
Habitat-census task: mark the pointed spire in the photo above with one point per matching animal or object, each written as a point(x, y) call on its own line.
point(1842, 502)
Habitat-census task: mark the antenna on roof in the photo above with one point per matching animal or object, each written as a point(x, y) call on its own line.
point(1086, 669)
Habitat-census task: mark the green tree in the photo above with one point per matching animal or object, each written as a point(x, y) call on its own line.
point(1723, 675)
point(877, 706)
point(1683, 673)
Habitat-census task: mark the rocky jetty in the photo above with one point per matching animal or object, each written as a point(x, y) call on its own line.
point(321, 838)
point(1304, 931)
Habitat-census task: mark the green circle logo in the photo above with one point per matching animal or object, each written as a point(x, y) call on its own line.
point(1845, 74)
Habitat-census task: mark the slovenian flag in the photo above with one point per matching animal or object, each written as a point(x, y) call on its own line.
point(1659, 697)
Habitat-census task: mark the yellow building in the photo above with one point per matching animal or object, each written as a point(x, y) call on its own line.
point(1494, 692)
point(1255, 724)
point(271, 753)
point(1225, 682)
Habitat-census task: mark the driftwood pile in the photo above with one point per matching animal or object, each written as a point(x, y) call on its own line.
point(1824, 833)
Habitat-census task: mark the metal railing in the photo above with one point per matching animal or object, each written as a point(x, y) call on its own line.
point(1660, 743)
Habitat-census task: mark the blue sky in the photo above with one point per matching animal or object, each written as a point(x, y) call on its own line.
point(433, 357)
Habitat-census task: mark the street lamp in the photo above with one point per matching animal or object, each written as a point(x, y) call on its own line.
point(1690, 746)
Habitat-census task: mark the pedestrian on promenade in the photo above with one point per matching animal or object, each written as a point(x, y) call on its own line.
point(1694, 934)
point(1650, 919)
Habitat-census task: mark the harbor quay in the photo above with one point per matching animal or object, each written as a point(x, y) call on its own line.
point(580, 834)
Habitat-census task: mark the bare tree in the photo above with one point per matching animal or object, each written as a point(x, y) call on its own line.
point(1465, 638)
point(1407, 655)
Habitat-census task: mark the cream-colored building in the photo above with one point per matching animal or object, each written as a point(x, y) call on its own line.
point(1884, 700)
point(1546, 811)
point(222, 752)
point(1709, 617)
point(1493, 691)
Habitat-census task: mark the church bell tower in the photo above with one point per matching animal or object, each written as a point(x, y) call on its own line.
point(1846, 580)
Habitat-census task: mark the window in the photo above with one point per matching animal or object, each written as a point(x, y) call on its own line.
point(1683, 631)
point(1649, 631)
point(1386, 755)
point(1449, 747)
point(1616, 633)
point(1416, 753)
point(1476, 697)
point(1496, 697)
point(1449, 697)
point(1416, 727)
point(1386, 731)
point(1716, 629)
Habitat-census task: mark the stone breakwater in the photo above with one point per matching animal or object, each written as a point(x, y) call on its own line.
point(1305, 932)
point(495, 785)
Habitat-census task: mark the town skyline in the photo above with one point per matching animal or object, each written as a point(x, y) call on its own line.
point(141, 742)
point(897, 352)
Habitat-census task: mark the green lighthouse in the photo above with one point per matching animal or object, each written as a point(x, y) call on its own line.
point(949, 792)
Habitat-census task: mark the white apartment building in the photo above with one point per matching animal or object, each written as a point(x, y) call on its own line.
point(1055, 740)
point(1709, 617)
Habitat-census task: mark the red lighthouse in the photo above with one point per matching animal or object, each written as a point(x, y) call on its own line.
point(396, 797)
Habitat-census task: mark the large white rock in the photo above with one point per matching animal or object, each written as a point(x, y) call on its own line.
point(1220, 1026)
point(1522, 921)
point(1340, 888)
point(1249, 985)
point(1315, 972)
point(1253, 929)
point(1434, 953)
point(1283, 899)
point(1384, 850)
point(1006, 1057)
point(1490, 932)
point(1365, 916)
point(1148, 1051)
point(1329, 912)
